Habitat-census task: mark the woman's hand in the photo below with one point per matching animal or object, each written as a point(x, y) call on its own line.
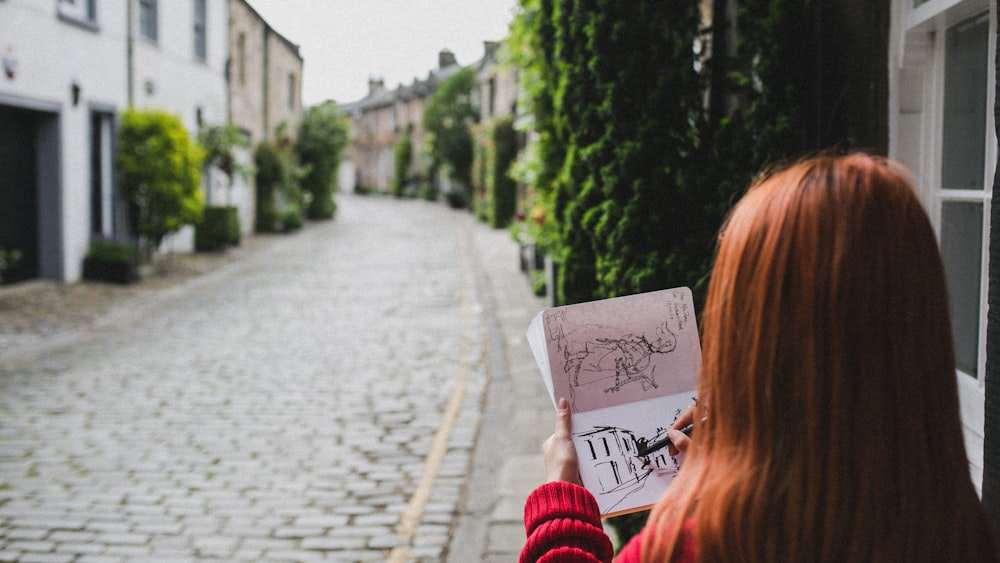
point(679, 441)
point(561, 463)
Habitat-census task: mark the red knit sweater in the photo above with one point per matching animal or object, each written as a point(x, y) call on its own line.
point(563, 525)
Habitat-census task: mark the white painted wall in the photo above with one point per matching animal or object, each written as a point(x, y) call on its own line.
point(49, 54)
point(168, 77)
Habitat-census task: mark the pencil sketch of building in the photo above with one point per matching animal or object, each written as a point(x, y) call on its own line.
point(613, 453)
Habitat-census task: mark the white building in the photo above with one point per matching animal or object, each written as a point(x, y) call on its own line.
point(941, 125)
point(70, 68)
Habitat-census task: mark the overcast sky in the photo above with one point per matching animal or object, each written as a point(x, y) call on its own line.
point(344, 42)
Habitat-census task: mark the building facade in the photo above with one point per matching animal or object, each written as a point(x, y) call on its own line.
point(72, 66)
point(64, 83)
point(265, 77)
point(942, 81)
point(379, 120)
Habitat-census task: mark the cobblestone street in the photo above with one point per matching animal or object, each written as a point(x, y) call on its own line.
point(315, 396)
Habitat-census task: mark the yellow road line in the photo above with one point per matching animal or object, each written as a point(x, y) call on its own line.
point(439, 447)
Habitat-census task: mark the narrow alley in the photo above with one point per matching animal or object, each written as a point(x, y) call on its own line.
point(318, 399)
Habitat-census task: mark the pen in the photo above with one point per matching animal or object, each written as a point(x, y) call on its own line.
point(646, 449)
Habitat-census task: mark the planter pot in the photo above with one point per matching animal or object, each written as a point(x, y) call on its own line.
point(111, 271)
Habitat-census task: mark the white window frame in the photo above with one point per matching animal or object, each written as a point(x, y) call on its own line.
point(916, 110)
point(79, 11)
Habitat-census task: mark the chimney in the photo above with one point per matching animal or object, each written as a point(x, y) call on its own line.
point(445, 59)
point(375, 83)
point(490, 49)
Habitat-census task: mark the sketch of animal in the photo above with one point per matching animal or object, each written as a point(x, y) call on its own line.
point(626, 359)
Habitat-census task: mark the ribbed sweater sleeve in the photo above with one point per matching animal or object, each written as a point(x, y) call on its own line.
point(563, 524)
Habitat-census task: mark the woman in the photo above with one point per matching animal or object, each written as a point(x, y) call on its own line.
point(831, 429)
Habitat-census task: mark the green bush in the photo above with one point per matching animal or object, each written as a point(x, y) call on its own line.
point(402, 156)
point(160, 173)
point(278, 185)
point(292, 218)
point(323, 136)
point(8, 259)
point(501, 190)
point(268, 164)
point(219, 227)
point(110, 250)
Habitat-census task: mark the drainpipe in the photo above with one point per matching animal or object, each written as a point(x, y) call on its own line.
point(265, 101)
point(128, 50)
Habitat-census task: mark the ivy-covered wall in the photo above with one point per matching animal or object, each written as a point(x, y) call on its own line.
point(651, 121)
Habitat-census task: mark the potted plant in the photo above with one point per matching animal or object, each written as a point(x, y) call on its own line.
point(110, 260)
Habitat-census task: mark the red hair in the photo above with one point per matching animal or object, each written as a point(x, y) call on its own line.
point(828, 378)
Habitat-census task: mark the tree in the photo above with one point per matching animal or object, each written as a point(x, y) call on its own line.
point(160, 173)
point(323, 135)
point(447, 119)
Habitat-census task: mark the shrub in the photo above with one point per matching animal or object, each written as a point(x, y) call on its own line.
point(278, 175)
point(220, 226)
point(292, 218)
point(112, 250)
point(160, 173)
point(402, 156)
point(323, 136)
point(268, 164)
point(8, 259)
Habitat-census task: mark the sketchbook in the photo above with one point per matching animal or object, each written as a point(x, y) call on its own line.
point(628, 366)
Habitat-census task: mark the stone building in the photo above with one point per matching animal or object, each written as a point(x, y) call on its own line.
point(265, 76)
point(497, 86)
point(380, 118)
point(265, 85)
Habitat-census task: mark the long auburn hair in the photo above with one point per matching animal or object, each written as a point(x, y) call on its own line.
point(828, 379)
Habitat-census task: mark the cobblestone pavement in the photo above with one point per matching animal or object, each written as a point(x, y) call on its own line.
point(310, 397)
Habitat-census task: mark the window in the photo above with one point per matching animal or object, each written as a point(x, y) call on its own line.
point(199, 30)
point(943, 130)
point(963, 191)
point(81, 11)
point(241, 57)
point(291, 91)
point(147, 20)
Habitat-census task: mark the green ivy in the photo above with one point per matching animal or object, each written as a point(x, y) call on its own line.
point(447, 120)
point(495, 188)
point(279, 194)
point(402, 156)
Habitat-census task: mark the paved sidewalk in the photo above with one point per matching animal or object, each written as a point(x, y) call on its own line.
point(518, 415)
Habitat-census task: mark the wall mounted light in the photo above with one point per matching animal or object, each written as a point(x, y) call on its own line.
point(9, 65)
point(75, 93)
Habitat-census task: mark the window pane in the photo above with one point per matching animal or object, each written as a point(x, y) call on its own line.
point(962, 250)
point(965, 98)
point(199, 30)
point(147, 19)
